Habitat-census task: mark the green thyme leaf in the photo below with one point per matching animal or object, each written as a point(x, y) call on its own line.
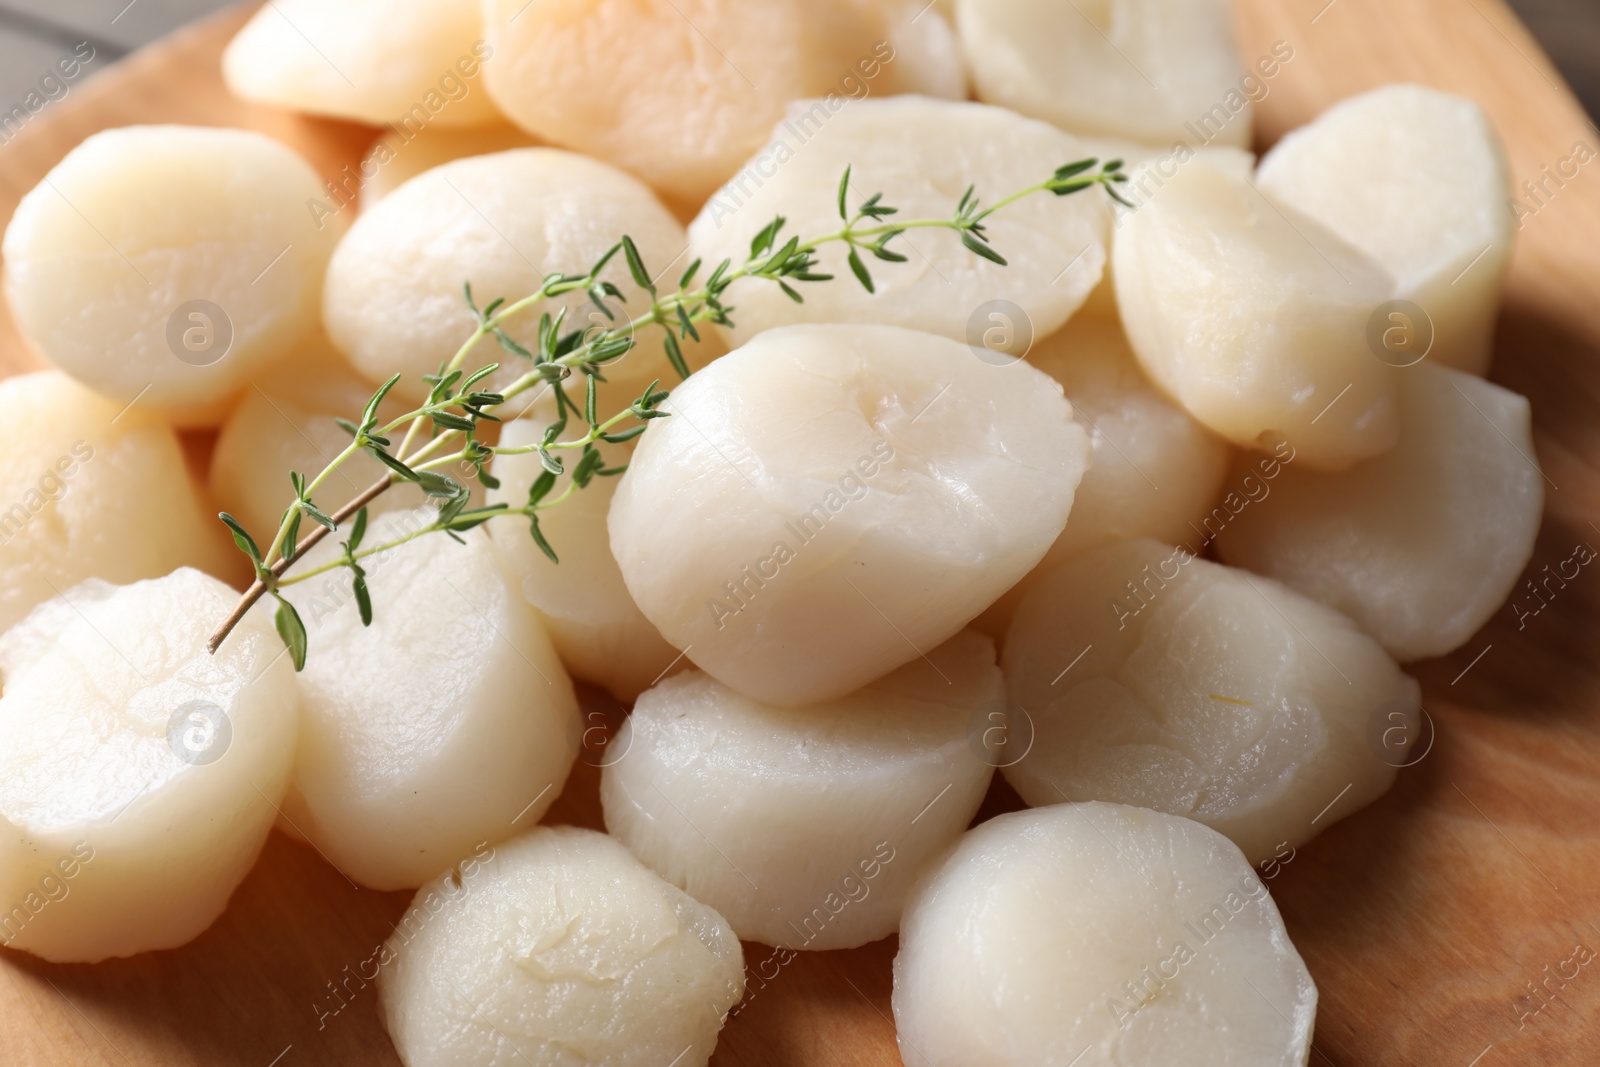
point(641, 277)
point(686, 325)
point(538, 539)
point(369, 417)
point(624, 436)
point(977, 245)
point(319, 516)
point(479, 375)
point(1072, 170)
point(291, 538)
point(882, 251)
point(1068, 188)
point(590, 462)
point(541, 487)
point(674, 354)
point(358, 582)
point(291, 630)
point(242, 538)
point(859, 269)
point(405, 472)
point(471, 520)
point(438, 485)
point(758, 244)
point(512, 345)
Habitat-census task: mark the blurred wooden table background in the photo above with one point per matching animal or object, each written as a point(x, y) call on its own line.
point(35, 33)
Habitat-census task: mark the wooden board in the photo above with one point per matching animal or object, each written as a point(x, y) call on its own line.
point(1425, 919)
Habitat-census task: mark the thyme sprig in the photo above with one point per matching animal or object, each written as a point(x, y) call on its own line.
point(443, 431)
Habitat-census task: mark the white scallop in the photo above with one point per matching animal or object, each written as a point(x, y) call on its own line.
point(805, 827)
point(502, 222)
point(88, 490)
point(137, 762)
point(1154, 472)
point(601, 634)
point(1148, 169)
point(1155, 678)
point(921, 154)
point(449, 721)
point(411, 62)
point(286, 423)
point(1255, 319)
point(401, 155)
point(1102, 932)
point(1418, 181)
point(105, 258)
point(680, 92)
point(1158, 71)
point(829, 501)
point(926, 54)
point(552, 949)
point(1423, 544)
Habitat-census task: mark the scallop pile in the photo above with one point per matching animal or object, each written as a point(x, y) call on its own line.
point(1131, 503)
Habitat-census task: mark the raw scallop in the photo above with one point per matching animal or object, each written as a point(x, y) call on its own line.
point(829, 502)
point(413, 63)
point(93, 491)
point(139, 775)
point(169, 264)
point(1255, 320)
point(286, 423)
point(1154, 472)
point(1423, 544)
point(921, 154)
point(1158, 679)
point(1098, 934)
point(399, 157)
point(447, 722)
point(1417, 180)
point(680, 92)
point(592, 619)
point(1158, 71)
point(501, 222)
point(1149, 169)
point(556, 948)
point(804, 827)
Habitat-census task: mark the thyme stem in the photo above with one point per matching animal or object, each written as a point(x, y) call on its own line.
point(259, 588)
point(456, 405)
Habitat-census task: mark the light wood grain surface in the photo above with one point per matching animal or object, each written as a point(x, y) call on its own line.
point(1426, 919)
